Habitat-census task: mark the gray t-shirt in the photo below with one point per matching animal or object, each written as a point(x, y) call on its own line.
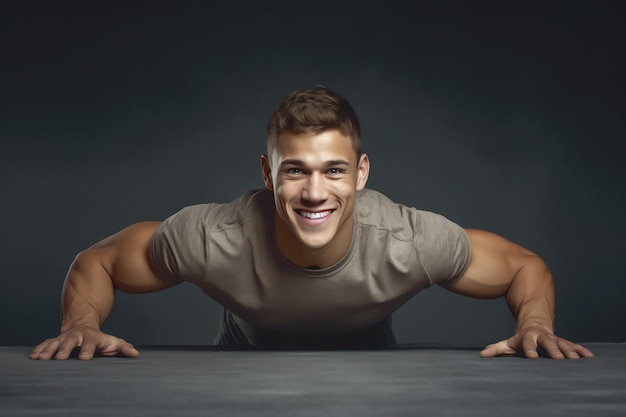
point(229, 251)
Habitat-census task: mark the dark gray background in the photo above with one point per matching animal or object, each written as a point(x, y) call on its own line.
point(506, 118)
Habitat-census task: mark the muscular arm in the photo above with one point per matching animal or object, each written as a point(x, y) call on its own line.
point(500, 267)
point(118, 262)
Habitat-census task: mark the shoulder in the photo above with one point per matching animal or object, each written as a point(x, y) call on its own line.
point(182, 245)
point(441, 245)
point(251, 206)
point(375, 209)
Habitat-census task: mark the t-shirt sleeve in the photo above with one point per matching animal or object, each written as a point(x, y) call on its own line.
point(444, 248)
point(177, 249)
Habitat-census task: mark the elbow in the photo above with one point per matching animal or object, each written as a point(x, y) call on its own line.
point(533, 279)
point(90, 263)
point(532, 266)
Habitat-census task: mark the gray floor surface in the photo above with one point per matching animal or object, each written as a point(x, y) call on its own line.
point(406, 381)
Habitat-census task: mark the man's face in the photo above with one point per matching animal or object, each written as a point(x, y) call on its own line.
point(314, 177)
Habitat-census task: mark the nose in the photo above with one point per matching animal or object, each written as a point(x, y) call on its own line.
point(315, 190)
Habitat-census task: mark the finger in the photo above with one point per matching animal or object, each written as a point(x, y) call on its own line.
point(489, 351)
point(63, 353)
point(34, 354)
point(129, 350)
point(567, 349)
point(529, 346)
point(552, 347)
point(573, 350)
point(583, 351)
point(66, 347)
point(87, 350)
point(46, 350)
point(123, 348)
point(579, 350)
point(502, 348)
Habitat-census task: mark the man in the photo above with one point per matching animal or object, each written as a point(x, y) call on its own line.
point(314, 260)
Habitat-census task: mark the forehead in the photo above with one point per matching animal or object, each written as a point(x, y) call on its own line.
point(326, 145)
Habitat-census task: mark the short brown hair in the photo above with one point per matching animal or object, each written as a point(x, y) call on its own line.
point(314, 110)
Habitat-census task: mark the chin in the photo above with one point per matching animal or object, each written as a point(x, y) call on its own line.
point(314, 240)
point(314, 243)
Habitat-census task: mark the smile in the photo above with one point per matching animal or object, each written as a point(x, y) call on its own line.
point(314, 214)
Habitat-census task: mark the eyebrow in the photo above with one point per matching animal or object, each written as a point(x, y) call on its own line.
point(299, 163)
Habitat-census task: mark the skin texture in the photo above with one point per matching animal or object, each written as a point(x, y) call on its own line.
point(311, 175)
point(119, 261)
point(314, 174)
point(499, 267)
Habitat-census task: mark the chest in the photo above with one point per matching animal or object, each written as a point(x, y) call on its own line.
point(347, 299)
point(260, 286)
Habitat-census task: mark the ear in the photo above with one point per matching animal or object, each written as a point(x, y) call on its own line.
point(363, 173)
point(266, 171)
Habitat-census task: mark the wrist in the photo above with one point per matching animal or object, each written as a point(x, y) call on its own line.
point(534, 323)
point(68, 323)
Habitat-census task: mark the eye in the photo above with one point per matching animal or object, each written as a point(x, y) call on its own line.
point(293, 171)
point(335, 171)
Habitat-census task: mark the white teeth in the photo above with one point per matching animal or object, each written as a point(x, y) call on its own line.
point(317, 215)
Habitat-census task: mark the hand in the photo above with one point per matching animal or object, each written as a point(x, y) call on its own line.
point(529, 341)
point(90, 340)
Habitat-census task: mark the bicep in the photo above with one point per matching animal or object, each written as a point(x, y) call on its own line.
point(124, 255)
point(494, 263)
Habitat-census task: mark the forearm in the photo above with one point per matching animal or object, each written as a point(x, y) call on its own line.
point(88, 292)
point(531, 295)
